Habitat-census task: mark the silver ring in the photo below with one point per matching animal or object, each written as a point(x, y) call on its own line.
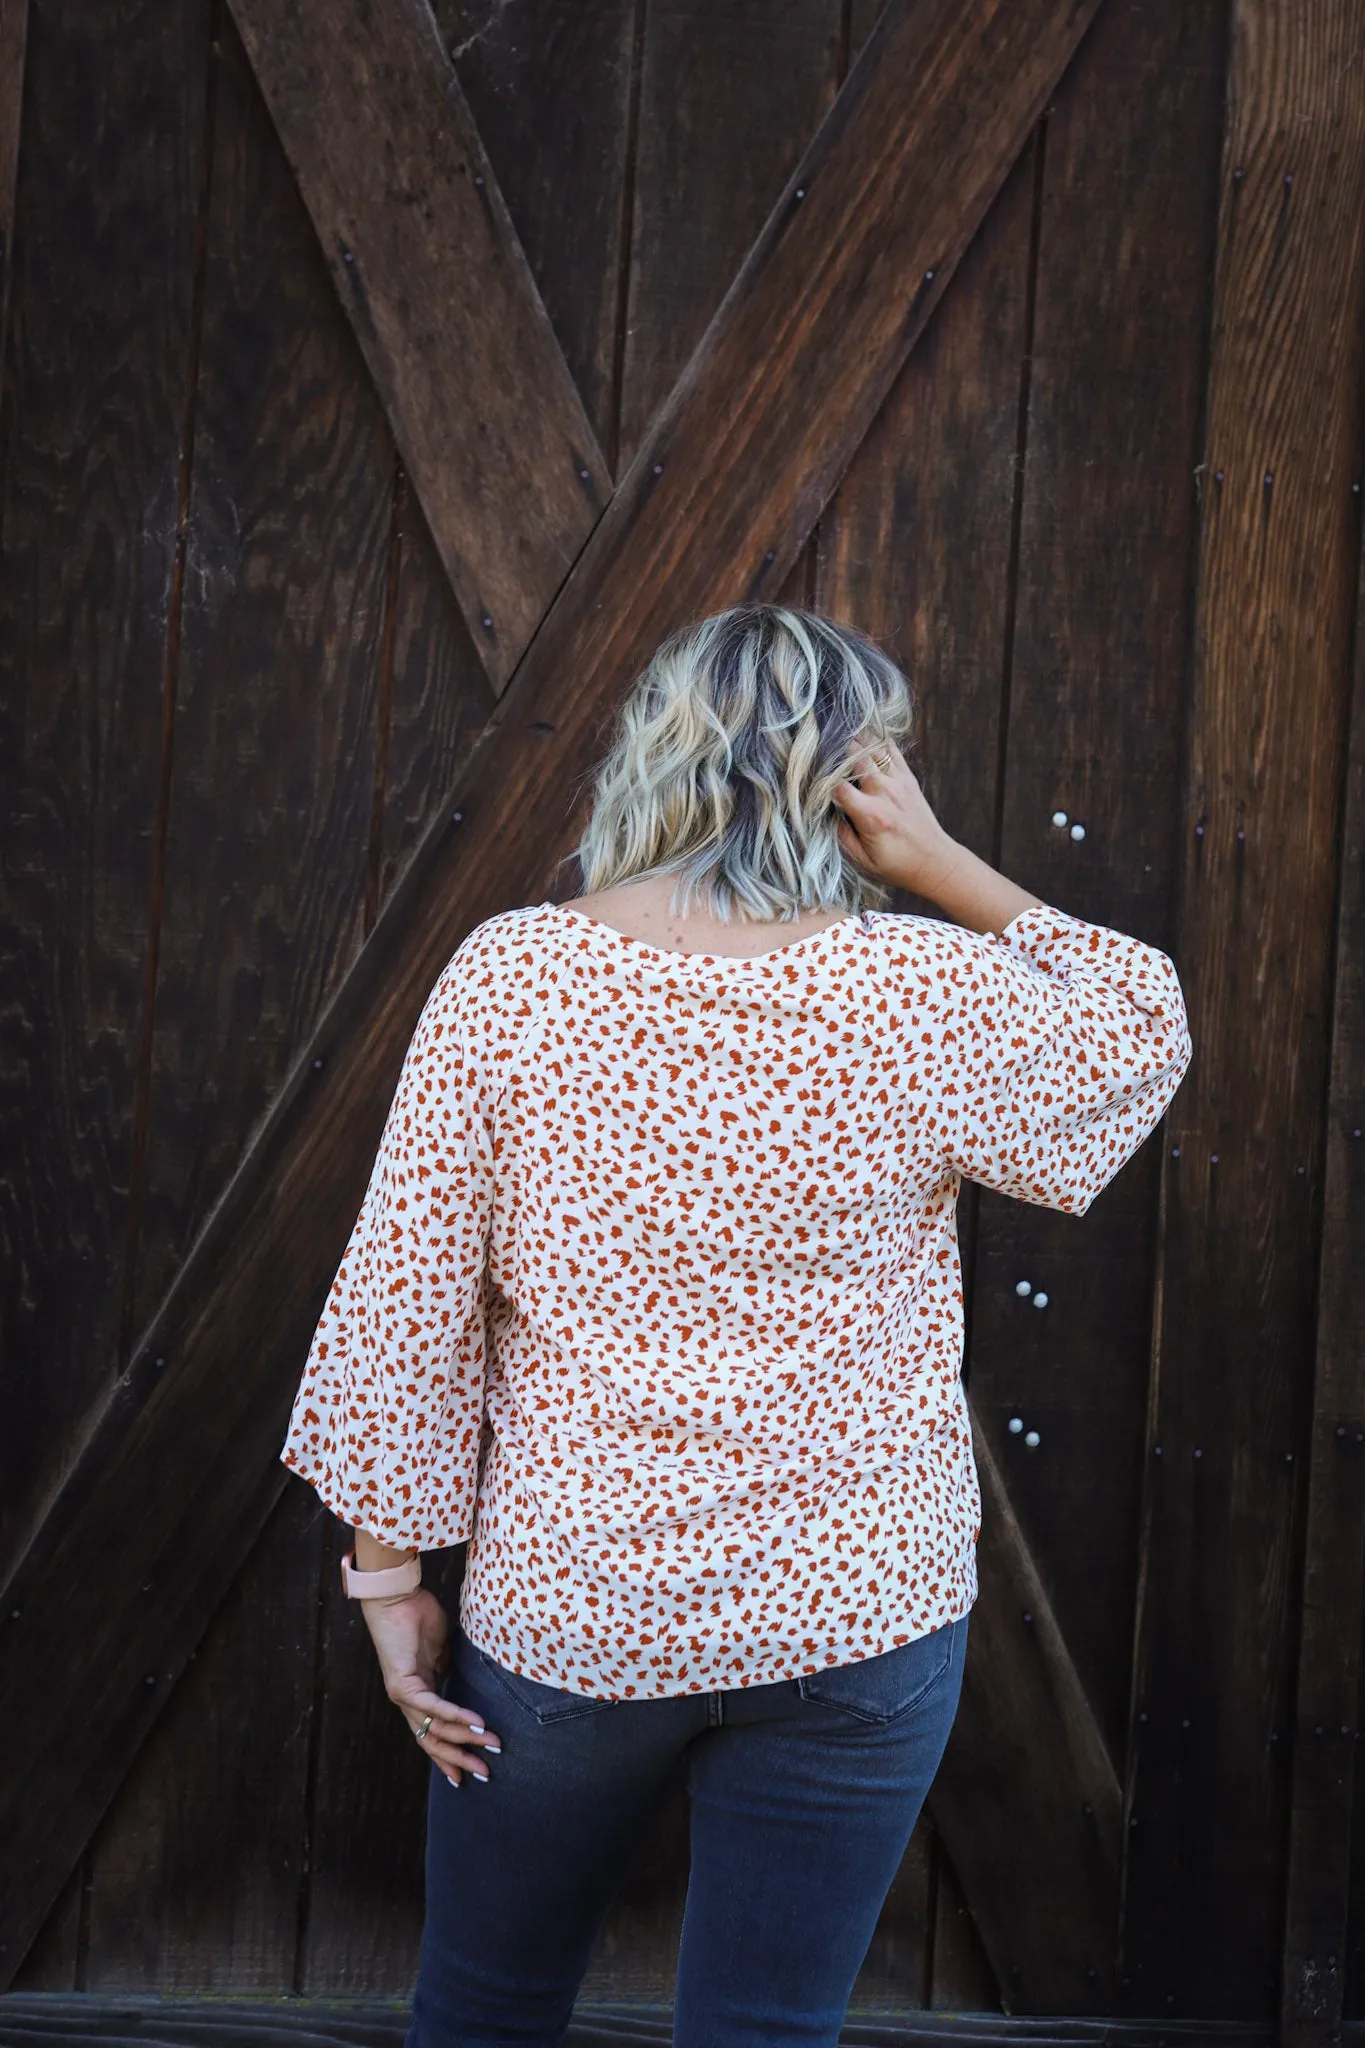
point(425, 1729)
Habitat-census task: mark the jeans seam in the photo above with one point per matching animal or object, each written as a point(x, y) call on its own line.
point(880, 1720)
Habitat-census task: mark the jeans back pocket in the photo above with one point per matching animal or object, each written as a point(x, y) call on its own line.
point(885, 1687)
point(547, 1702)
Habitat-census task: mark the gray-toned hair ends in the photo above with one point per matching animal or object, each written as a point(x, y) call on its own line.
point(724, 760)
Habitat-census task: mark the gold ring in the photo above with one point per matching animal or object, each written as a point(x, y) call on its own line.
point(425, 1729)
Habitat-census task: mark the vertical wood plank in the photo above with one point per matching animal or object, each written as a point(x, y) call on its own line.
point(95, 399)
point(273, 786)
point(1328, 1680)
point(1095, 722)
point(729, 98)
point(549, 85)
point(915, 544)
point(438, 703)
point(13, 36)
point(1245, 1140)
point(197, 1865)
point(271, 802)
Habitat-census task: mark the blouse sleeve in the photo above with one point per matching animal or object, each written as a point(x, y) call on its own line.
point(1074, 1041)
point(387, 1420)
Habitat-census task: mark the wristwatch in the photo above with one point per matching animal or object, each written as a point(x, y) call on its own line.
point(398, 1578)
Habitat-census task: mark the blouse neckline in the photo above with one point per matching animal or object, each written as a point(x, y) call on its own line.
point(787, 950)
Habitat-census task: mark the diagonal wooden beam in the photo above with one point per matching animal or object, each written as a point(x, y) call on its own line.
point(717, 505)
point(432, 277)
point(1028, 1800)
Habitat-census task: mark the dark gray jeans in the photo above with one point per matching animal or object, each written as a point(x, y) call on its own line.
point(803, 1797)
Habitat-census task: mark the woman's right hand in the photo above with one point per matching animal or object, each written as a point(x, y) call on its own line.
point(888, 828)
point(411, 1635)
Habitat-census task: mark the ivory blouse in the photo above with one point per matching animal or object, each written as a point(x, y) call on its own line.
point(655, 1298)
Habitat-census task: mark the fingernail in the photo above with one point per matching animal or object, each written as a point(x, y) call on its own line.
point(492, 1749)
point(477, 1726)
point(480, 1777)
point(454, 1783)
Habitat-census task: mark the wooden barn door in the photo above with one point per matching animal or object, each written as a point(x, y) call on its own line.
point(489, 342)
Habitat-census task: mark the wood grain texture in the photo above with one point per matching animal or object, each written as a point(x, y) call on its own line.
point(1244, 1159)
point(960, 1975)
point(1095, 724)
point(729, 98)
point(261, 913)
point(719, 502)
point(1027, 1801)
point(915, 543)
point(549, 85)
point(197, 1868)
point(275, 714)
point(108, 202)
point(425, 260)
point(1328, 1678)
point(13, 37)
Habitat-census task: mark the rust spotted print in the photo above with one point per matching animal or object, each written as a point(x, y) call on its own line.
point(654, 1296)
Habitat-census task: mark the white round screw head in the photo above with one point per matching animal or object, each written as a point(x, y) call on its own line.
point(1022, 1287)
point(1015, 1425)
point(1078, 831)
point(1033, 1439)
point(1040, 1299)
point(1059, 818)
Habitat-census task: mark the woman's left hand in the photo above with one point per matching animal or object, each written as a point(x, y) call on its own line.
point(411, 1635)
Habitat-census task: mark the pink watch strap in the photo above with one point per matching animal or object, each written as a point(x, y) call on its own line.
point(399, 1578)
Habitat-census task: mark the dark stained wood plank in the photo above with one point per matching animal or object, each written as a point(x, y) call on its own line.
point(270, 804)
point(1095, 727)
point(549, 84)
point(961, 1978)
point(915, 544)
point(13, 36)
point(719, 502)
point(1027, 1801)
point(196, 1870)
point(272, 789)
point(1327, 1709)
point(107, 207)
point(1242, 1193)
point(439, 702)
point(729, 98)
point(425, 260)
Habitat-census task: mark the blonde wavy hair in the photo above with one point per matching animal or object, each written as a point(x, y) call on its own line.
point(723, 763)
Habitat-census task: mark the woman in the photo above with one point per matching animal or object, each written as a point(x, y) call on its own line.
point(655, 1301)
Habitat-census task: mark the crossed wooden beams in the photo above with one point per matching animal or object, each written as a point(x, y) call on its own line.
point(567, 586)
